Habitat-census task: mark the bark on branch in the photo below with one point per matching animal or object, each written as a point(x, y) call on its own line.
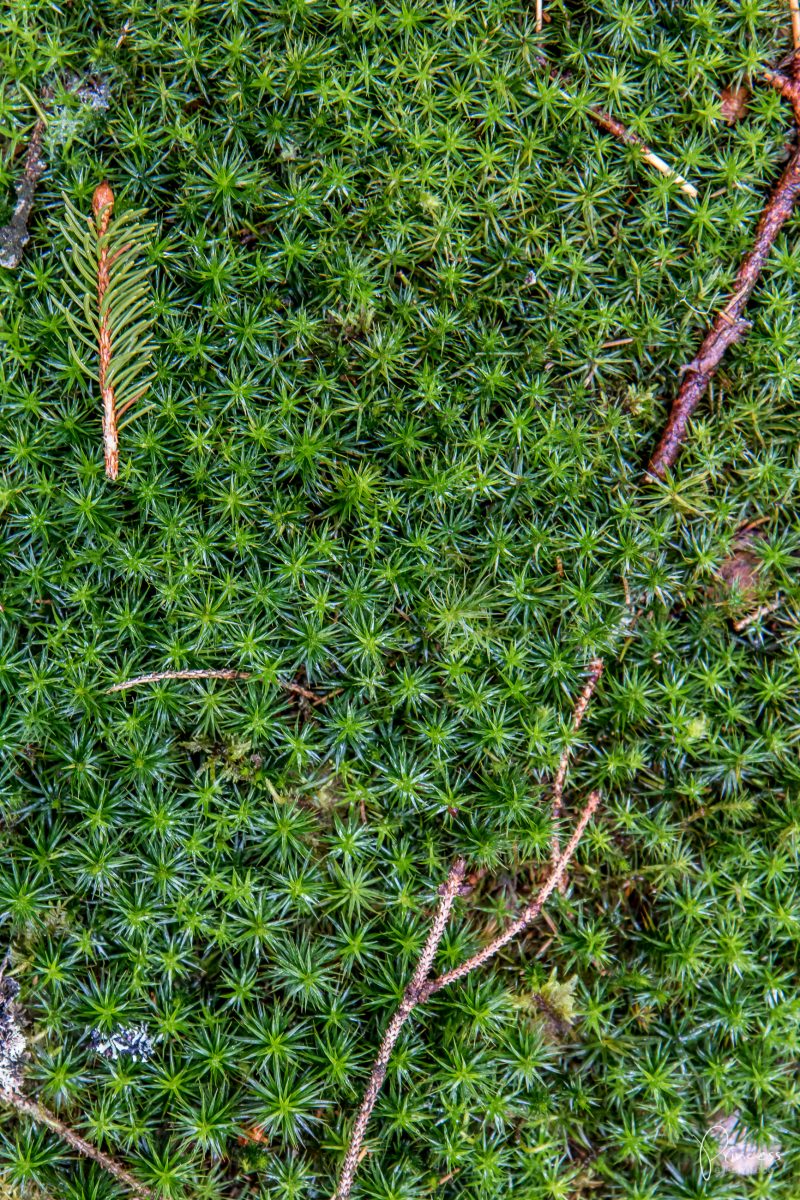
point(42, 1115)
point(595, 671)
point(730, 325)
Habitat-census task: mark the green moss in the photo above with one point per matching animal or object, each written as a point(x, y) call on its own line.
point(417, 324)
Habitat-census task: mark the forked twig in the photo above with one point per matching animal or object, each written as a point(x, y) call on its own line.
point(160, 676)
point(411, 998)
point(421, 987)
point(730, 325)
point(38, 1112)
point(595, 671)
point(528, 914)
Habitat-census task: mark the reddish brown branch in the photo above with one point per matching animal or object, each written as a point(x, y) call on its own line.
point(103, 207)
point(730, 325)
point(595, 671)
point(38, 1112)
point(421, 987)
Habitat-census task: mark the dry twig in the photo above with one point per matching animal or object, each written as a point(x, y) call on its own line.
point(730, 325)
point(529, 914)
point(218, 673)
point(595, 671)
point(762, 611)
point(32, 1108)
point(421, 987)
point(411, 998)
point(620, 131)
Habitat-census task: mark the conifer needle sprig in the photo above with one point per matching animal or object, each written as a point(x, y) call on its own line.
point(106, 261)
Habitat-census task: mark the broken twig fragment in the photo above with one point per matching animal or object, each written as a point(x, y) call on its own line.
point(730, 325)
point(620, 131)
point(230, 673)
point(37, 1112)
point(15, 236)
point(595, 671)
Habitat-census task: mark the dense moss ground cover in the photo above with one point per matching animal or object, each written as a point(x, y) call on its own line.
point(418, 321)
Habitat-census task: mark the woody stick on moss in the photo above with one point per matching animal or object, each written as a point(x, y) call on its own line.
point(422, 987)
point(730, 325)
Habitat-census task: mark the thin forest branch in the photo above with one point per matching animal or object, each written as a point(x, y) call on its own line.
point(539, 19)
point(295, 689)
point(730, 325)
point(620, 131)
point(32, 1108)
point(595, 671)
point(763, 610)
point(528, 914)
point(411, 998)
point(794, 12)
point(421, 987)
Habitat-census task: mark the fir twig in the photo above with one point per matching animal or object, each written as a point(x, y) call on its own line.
point(38, 1112)
point(296, 689)
point(595, 671)
point(107, 252)
point(14, 236)
point(730, 325)
point(103, 207)
point(794, 12)
point(421, 987)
